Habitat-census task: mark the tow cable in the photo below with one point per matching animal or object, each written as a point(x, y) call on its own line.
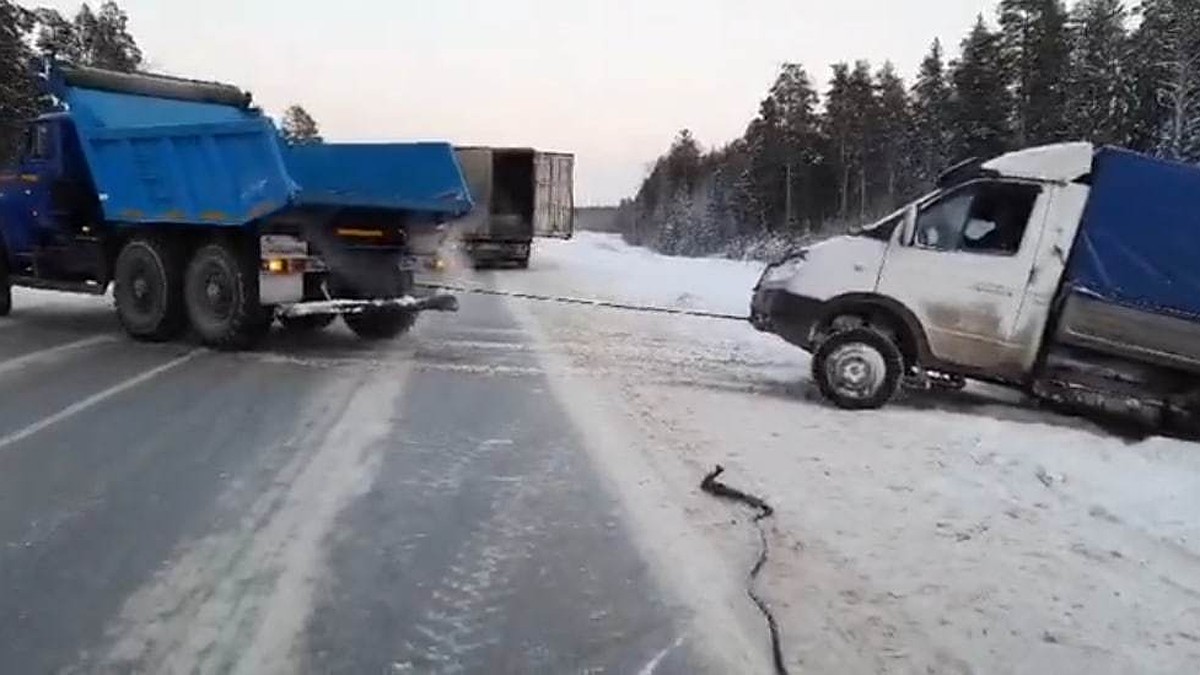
point(589, 302)
point(716, 488)
point(710, 484)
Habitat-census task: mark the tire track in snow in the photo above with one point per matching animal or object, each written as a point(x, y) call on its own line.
point(467, 606)
point(238, 601)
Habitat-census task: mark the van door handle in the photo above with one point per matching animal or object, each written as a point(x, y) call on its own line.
point(993, 289)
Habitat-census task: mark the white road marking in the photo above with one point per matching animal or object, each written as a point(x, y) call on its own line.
point(93, 400)
point(45, 355)
point(652, 664)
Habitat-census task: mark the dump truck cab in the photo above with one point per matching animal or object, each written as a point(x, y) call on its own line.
point(49, 211)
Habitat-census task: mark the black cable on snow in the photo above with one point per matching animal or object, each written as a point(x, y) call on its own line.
point(478, 290)
point(714, 487)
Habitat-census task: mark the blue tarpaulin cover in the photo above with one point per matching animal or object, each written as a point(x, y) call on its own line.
point(1139, 242)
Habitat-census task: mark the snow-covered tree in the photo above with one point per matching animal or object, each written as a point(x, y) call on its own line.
point(981, 98)
point(851, 118)
point(100, 39)
point(810, 164)
point(931, 138)
point(892, 163)
point(784, 143)
point(17, 100)
point(1168, 40)
point(1033, 35)
point(1100, 84)
point(298, 127)
point(57, 37)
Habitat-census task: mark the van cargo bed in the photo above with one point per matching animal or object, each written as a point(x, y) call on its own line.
point(1139, 242)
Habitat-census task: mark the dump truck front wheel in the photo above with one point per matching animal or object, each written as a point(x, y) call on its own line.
point(380, 324)
point(148, 291)
point(221, 295)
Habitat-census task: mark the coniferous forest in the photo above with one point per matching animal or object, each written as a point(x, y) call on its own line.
point(815, 162)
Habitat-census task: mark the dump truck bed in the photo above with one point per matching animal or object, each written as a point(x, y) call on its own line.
point(420, 177)
point(211, 160)
point(163, 150)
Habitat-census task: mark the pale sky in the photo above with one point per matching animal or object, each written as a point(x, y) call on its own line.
point(609, 80)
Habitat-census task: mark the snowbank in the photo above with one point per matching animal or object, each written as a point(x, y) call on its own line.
point(964, 532)
point(604, 266)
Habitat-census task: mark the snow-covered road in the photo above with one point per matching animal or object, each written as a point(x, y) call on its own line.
point(947, 533)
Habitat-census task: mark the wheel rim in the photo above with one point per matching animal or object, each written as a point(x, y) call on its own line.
point(143, 289)
point(213, 293)
point(856, 371)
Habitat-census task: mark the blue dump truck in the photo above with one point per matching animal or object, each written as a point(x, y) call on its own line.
point(184, 198)
point(1068, 271)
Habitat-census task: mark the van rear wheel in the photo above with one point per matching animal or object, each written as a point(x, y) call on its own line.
point(858, 369)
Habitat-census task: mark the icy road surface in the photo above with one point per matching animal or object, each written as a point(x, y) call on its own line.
point(514, 489)
point(322, 506)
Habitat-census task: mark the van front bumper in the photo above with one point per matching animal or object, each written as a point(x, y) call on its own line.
point(791, 317)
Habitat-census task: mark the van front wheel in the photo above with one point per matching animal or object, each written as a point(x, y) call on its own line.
point(858, 369)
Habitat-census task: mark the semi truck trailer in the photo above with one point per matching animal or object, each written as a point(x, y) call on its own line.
point(183, 198)
point(519, 194)
point(1067, 271)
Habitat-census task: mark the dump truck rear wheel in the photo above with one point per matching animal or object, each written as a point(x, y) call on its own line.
point(306, 324)
point(380, 324)
point(222, 297)
point(147, 289)
point(858, 369)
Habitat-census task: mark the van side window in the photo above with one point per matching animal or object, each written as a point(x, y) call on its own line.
point(940, 225)
point(986, 218)
point(999, 217)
